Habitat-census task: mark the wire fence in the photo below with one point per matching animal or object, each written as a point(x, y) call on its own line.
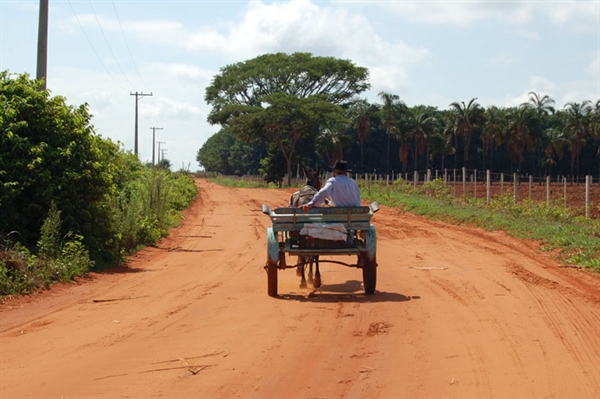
point(579, 193)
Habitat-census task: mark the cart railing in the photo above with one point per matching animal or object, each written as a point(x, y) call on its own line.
point(293, 219)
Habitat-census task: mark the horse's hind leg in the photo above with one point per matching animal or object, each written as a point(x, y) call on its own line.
point(300, 271)
point(317, 281)
point(310, 270)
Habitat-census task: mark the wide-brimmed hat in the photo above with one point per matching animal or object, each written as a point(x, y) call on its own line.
point(341, 166)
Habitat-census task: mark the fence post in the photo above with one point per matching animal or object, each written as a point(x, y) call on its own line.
point(415, 178)
point(502, 183)
point(516, 186)
point(530, 185)
point(488, 184)
point(454, 182)
point(548, 191)
point(464, 180)
point(588, 183)
point(565, 192)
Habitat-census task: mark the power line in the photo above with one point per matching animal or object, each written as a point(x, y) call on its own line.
point(127, 45)
point(92, 46)
point(108, 44)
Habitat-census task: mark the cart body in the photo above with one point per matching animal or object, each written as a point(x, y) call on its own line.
point(287, 237)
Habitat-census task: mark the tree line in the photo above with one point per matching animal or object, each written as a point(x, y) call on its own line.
point(277, 107)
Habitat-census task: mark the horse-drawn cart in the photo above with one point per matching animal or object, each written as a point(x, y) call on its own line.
point(322, 231)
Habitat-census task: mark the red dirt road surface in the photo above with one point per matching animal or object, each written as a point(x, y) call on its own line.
point(458, 313)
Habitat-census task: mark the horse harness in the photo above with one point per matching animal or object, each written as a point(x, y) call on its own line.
point(303, 196)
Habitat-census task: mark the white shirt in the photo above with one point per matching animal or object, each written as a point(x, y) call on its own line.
point(342, 190)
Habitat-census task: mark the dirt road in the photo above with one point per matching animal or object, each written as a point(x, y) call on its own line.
point(458, 313)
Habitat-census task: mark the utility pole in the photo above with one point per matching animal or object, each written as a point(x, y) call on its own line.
point(137, 96)
point(154, 129)
point(159, 153)
point(42, 50)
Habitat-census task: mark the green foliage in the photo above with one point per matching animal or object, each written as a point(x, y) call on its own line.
point(241, 182)
point(22, 272)
point(49, 243)
point(438, 189)
point(50, 153)
point(282, 99)
point(147, 207)
point(70, 200)
point(214, 154)
point(404, 187)
point(273, 166)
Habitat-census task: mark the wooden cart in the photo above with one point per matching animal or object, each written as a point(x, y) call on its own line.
point(285, 237)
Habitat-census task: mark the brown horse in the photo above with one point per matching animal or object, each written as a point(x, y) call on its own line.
point(299, 198)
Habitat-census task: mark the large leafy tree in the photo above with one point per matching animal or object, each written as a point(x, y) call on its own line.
point(283, 98)
point(214, 154)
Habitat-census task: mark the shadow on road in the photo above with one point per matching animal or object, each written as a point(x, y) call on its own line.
point(350, 291)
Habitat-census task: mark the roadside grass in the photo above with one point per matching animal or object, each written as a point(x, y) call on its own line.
point(574, 238)
point(241, 182)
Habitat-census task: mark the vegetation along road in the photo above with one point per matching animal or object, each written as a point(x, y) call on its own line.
point(458, 312)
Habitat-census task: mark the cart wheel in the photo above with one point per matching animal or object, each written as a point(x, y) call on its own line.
point(370, 277)
point(271, 278)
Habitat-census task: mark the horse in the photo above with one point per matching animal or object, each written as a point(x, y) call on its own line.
point(299, 198)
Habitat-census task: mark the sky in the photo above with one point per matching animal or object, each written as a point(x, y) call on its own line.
point(102, 52)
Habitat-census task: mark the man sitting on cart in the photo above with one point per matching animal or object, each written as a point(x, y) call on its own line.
point(340, 189)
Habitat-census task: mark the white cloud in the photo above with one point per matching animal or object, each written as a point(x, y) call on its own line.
point(593, 69)
point(582, 14)
point(539, 84)
point(525, 33)
point(500, 60)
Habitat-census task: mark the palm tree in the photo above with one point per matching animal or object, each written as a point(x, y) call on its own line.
point(466, 118)
point(391, 105)
point(543, 107)
point(441, 143)
point(493, 128)
point(359, 114)
point(332, 139)
point(420, 126)
point(555, 142)
point(577, 127)
point(519, 132)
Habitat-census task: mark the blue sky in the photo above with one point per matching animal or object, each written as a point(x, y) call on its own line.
point(427, 52)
